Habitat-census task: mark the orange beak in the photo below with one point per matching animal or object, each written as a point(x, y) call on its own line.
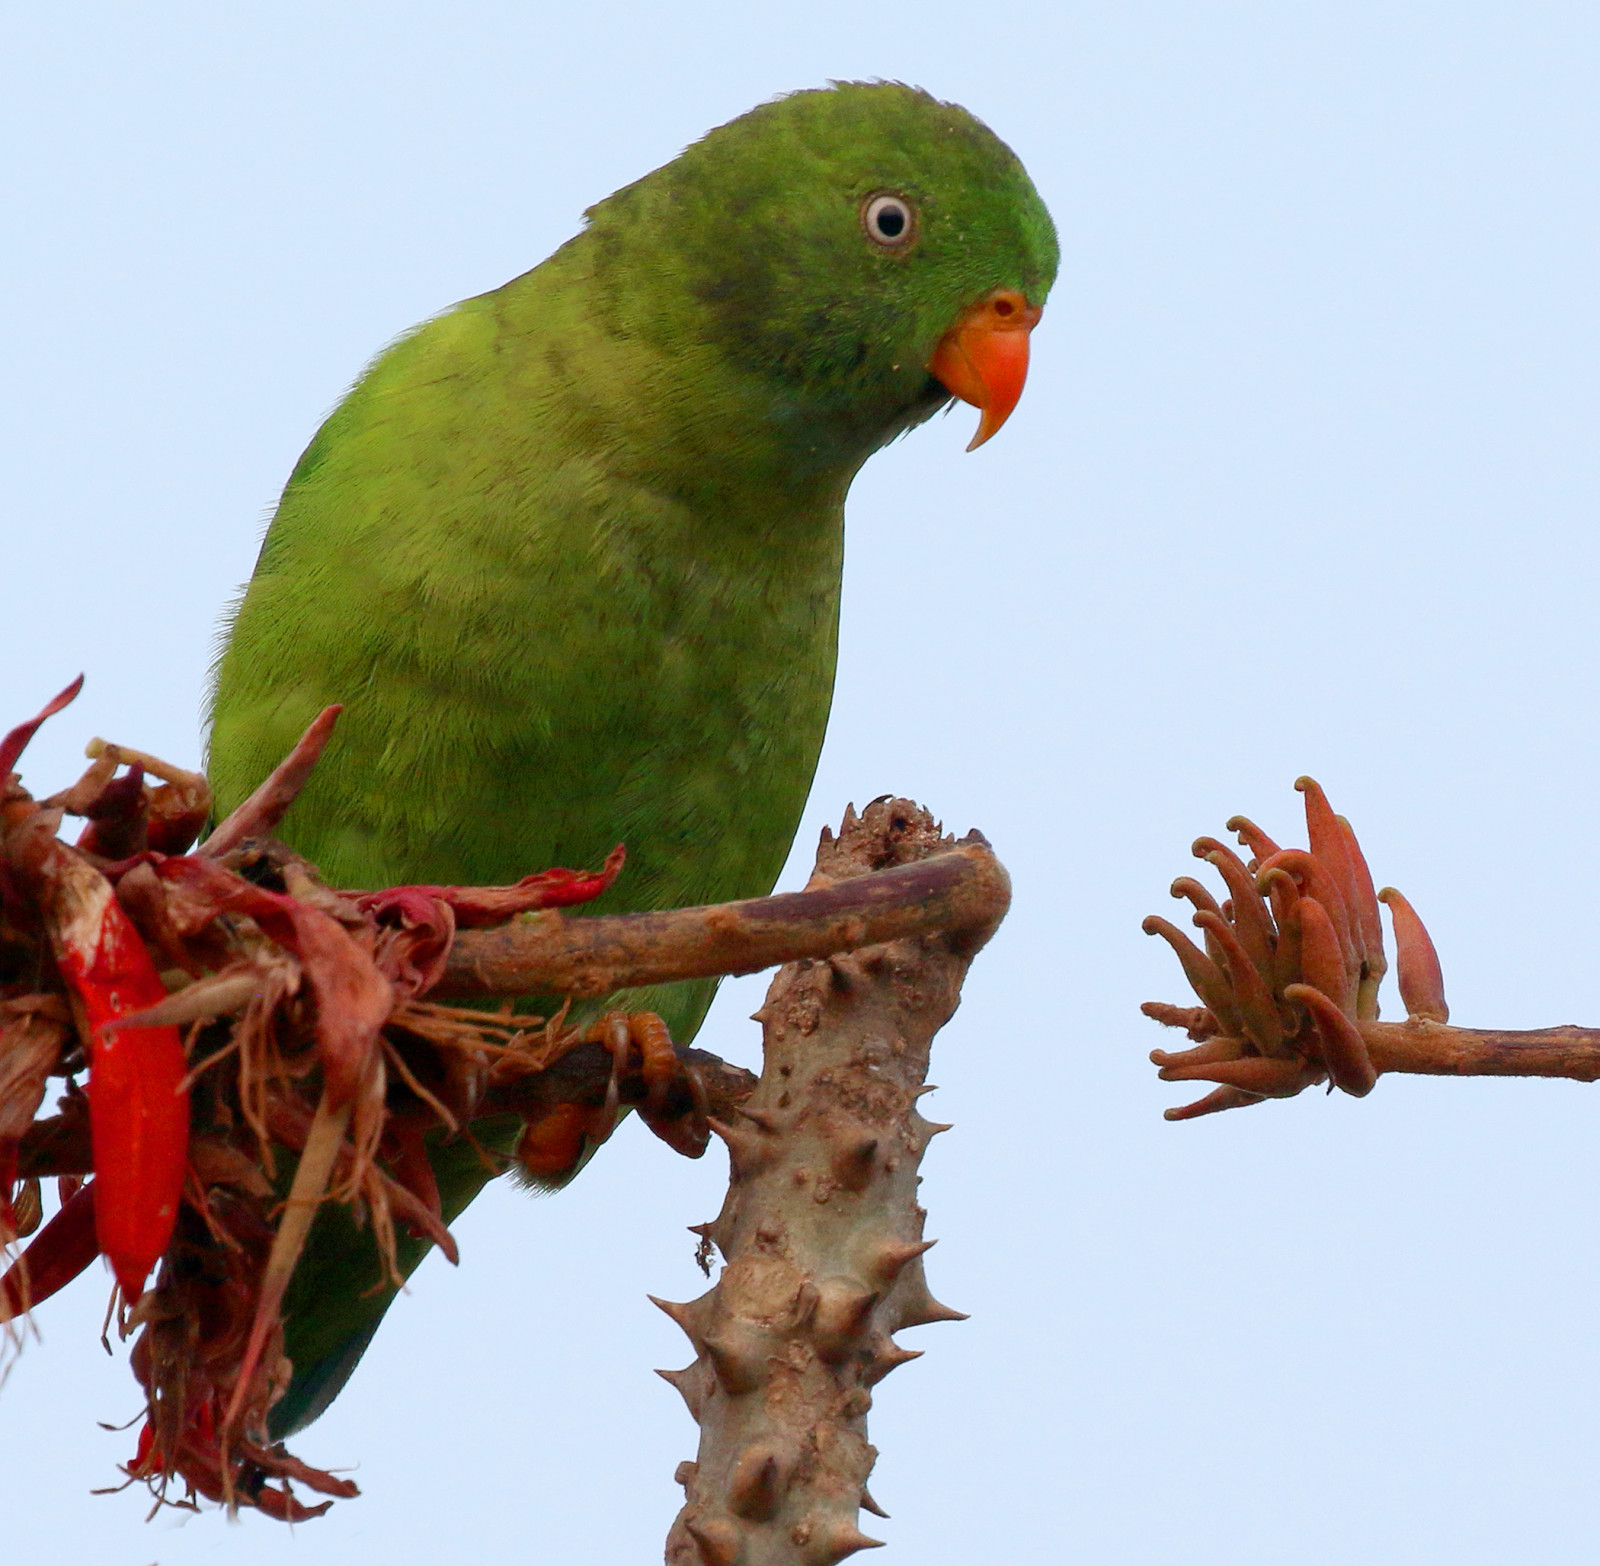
point(983, 358)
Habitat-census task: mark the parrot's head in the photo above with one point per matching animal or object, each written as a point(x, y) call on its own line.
point(860, 254)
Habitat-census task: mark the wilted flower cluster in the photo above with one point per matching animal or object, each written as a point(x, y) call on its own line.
point(1290, 968)
point(253, 1043)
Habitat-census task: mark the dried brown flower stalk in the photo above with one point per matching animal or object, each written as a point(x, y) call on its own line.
point(304, 1037)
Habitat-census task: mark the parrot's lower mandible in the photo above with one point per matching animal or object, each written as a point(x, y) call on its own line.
point(570, 553)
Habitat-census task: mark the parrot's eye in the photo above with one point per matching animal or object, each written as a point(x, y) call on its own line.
point(889, 220)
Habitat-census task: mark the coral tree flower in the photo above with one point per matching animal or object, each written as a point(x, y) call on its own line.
point(1289, 966)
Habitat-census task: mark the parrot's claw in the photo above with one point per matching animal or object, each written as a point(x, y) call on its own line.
point(686, 1131)
point(623, 1031)
point(556, 1144)
point(681, 1127)
point(613, 1031)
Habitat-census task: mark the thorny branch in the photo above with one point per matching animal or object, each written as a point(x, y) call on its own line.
point(1288, 981)
point(821, 1230)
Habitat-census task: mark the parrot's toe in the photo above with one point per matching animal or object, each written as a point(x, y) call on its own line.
point(557, 1142)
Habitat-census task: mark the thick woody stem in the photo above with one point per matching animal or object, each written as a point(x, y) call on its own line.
point(1426, 1048)
point(821, 1231)
point(962, 888)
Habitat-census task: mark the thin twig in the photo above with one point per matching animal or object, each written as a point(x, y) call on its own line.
point(1425, 1048)
point(963, 889)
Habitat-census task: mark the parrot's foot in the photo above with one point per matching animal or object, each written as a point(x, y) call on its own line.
point(561, 1140)
point(624, 1031)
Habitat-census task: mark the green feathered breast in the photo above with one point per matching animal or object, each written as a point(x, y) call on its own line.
point(570, 553)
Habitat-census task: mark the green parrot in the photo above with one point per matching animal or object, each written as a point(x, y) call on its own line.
point(570, 553)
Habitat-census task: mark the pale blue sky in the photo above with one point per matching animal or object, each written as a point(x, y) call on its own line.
point(1305, 480)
